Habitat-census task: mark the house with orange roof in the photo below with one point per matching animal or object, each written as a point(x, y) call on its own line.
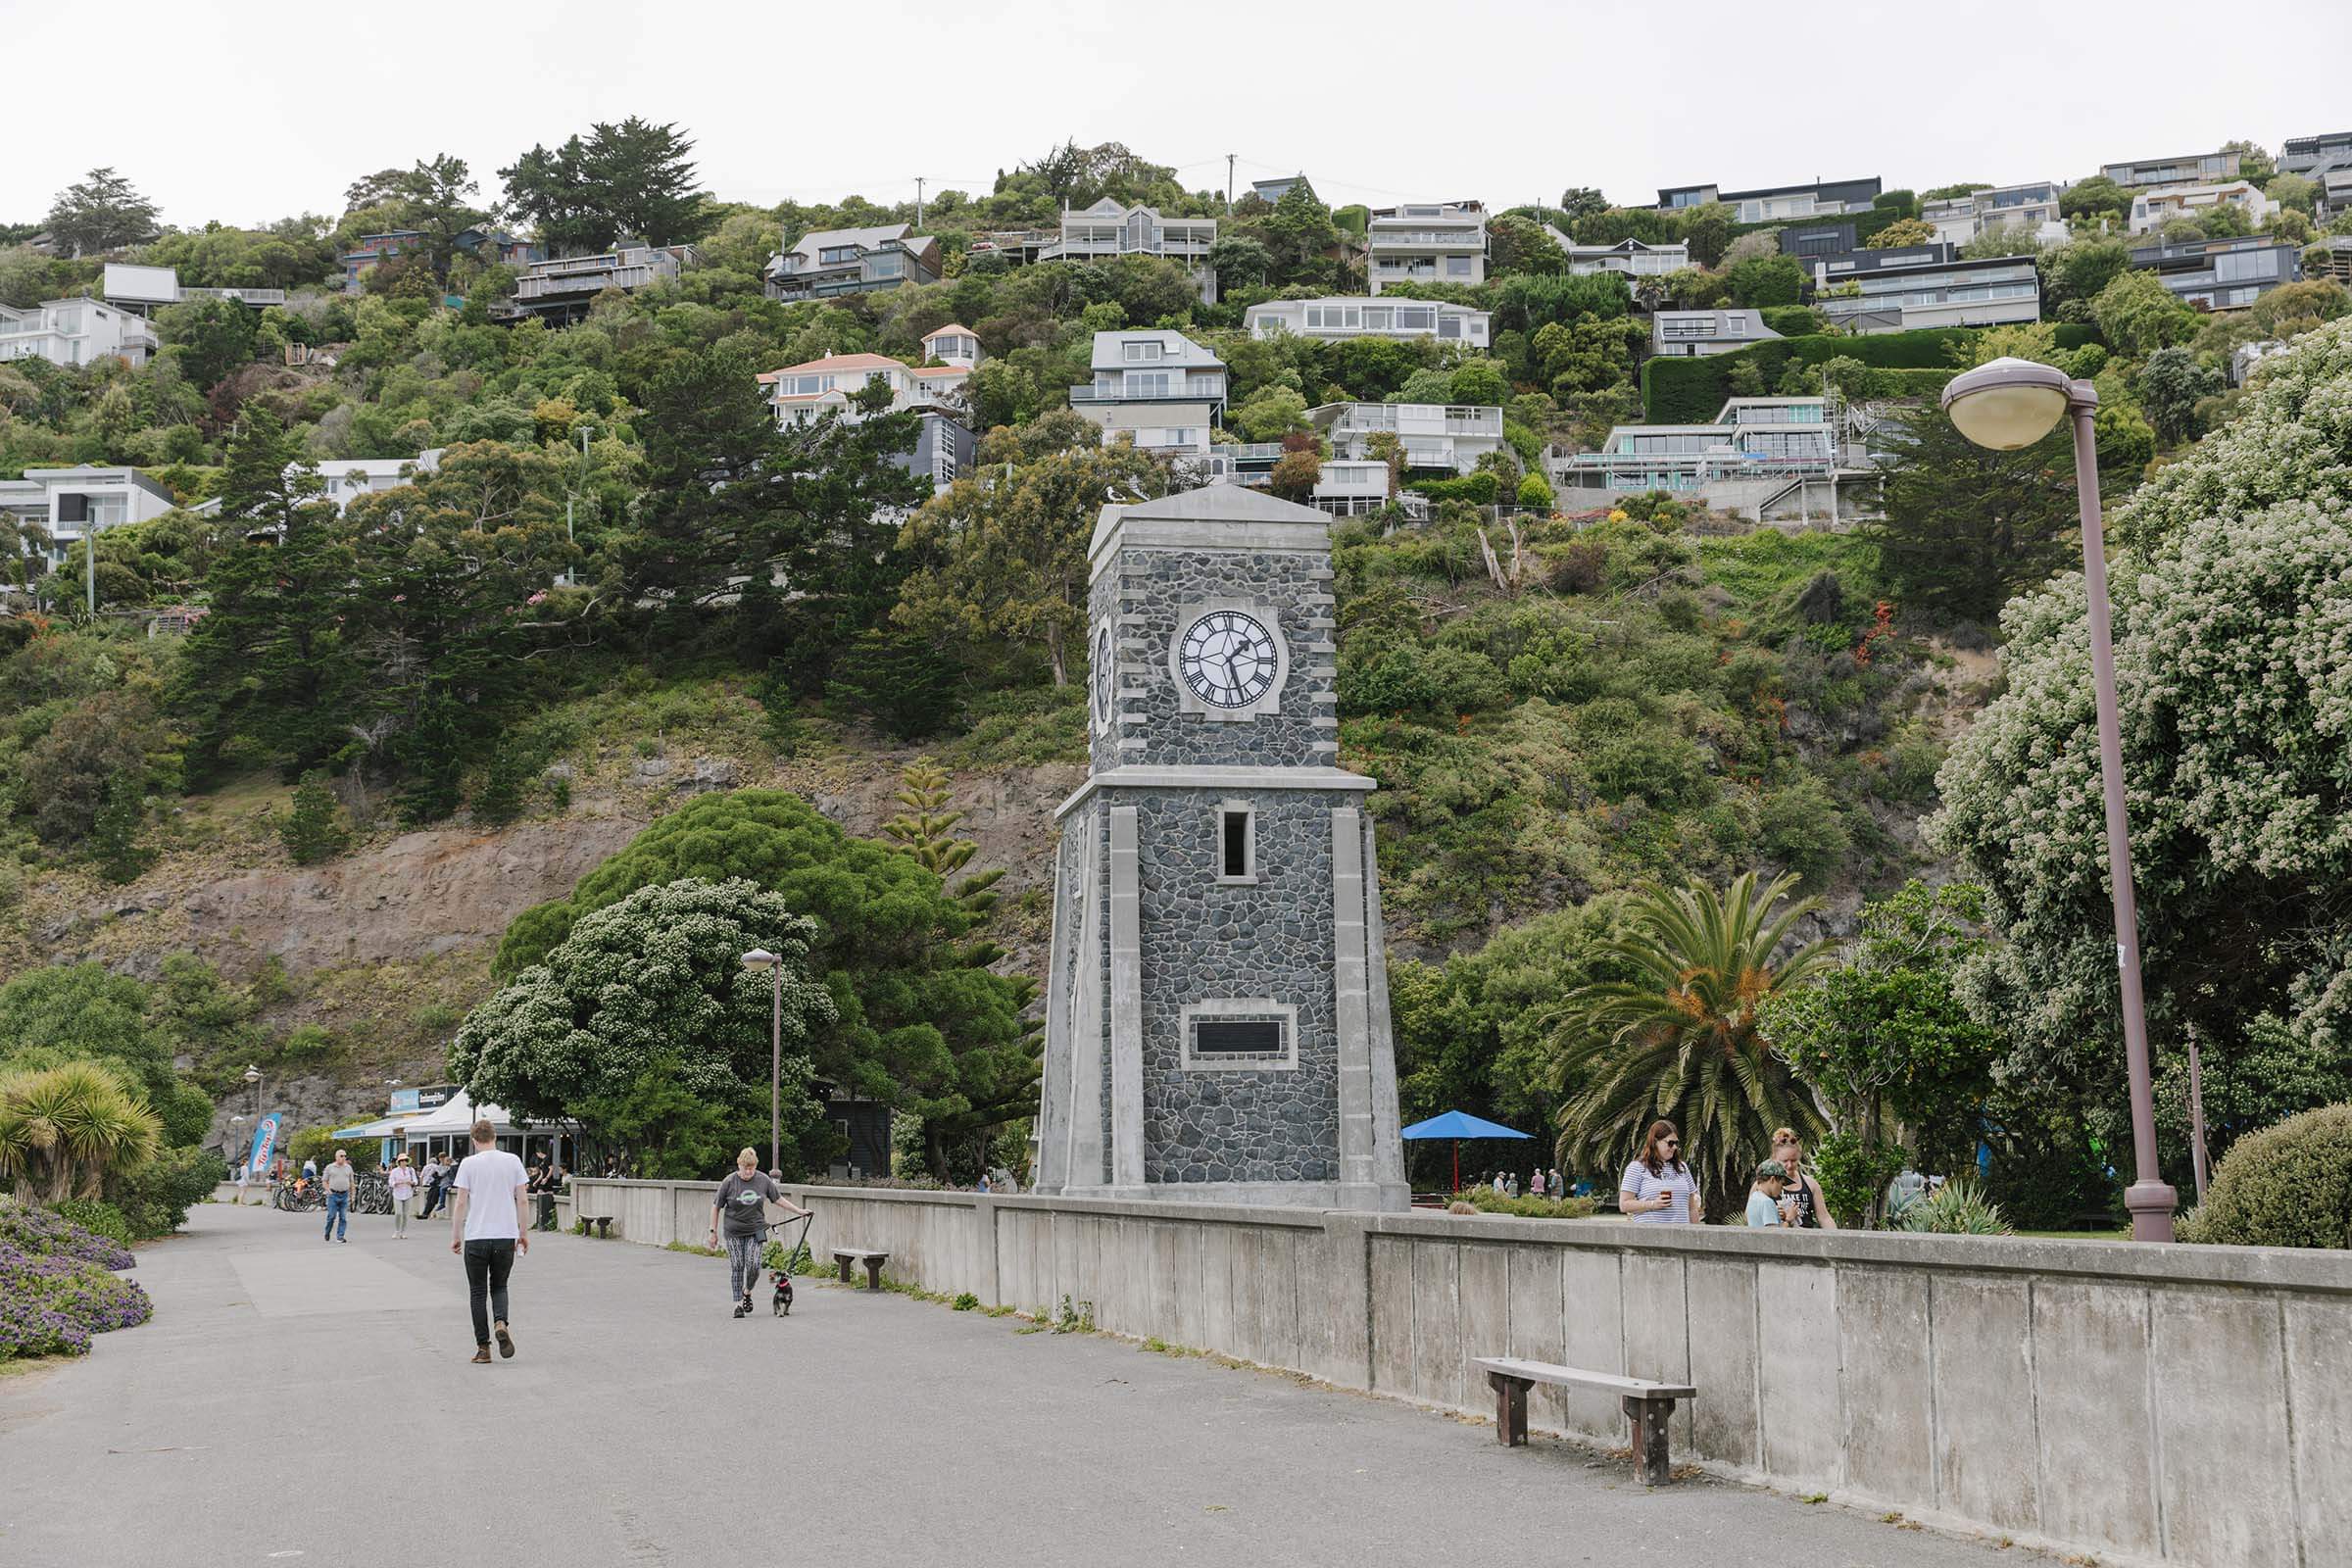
point(945, 445)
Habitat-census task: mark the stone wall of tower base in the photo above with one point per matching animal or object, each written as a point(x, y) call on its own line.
point(2171, 1405)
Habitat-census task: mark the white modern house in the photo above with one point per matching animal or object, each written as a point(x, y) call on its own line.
point(1331, 319)
point(146, 288)
point(1881, 291)
point(71, 504)
point(1159, 387)
point(945, 445)
point(1435, 242)
point(2031, 205)
point(349, 479)
point(2153, 209)
point(1694, 334)
point(953, 344)
point(1774, 204)
point(1110, 228)
point(75, 331)
point(1439, 438)
point(2188, 168)
point(1630, 256)
point(1767, 457)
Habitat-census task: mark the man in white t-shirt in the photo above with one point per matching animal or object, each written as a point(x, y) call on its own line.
point(488, 1224)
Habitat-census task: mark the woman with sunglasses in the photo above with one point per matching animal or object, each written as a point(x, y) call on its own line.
point(1658, 1187)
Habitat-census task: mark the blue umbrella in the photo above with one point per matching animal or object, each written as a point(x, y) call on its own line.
point(1458, 1125)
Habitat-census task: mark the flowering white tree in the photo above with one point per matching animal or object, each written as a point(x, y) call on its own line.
point(2234, 660)
point(655, 981)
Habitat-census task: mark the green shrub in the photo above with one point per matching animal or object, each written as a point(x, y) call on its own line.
point(1487, 1201)
point(314, 829)
point(1480, 489)
point(2290, 1185)
point(1804, 831)
point(308, 1042)
point(1958, 1208)
point(155, 1198)
point(1903, 365)
point(1422, 679)
point(98, 1217)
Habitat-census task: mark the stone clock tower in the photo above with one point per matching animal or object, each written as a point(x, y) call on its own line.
point(1217, 1003)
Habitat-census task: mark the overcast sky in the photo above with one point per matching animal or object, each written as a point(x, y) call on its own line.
point(249, 113)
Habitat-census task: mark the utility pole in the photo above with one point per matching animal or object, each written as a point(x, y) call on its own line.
point(1229, 157)
point(89, 559)
point(919, 203)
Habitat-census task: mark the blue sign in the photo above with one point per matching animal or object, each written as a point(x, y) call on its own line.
point(265, 1140)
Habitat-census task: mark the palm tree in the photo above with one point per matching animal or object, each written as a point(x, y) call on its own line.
point(65, 1130)
point(1681, 1040)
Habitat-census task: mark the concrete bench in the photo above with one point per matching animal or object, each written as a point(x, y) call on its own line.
point(873, 1261)
point(1648, 1405)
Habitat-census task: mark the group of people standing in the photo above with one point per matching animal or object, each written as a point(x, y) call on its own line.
point(1659, 1188)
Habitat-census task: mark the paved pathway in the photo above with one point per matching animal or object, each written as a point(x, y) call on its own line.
point(304, 1402)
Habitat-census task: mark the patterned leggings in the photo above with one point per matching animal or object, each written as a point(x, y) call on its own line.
point(742, 1264)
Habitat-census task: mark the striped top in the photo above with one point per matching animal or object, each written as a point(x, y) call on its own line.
point(1677, 1180)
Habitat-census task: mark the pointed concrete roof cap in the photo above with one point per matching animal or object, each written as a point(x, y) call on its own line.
point(1218, 516)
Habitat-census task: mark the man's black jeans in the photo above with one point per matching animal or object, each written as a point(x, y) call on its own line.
point(487, 1265)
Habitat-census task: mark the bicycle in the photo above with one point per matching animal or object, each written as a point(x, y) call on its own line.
point(298, 1197)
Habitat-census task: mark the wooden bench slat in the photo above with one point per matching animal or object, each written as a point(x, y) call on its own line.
point(1547, 1372)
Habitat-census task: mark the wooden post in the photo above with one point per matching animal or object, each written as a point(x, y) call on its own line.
point(1510, 1408)
point(1650, 1418)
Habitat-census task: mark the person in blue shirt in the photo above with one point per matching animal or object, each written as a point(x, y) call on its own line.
point(1764, 1197)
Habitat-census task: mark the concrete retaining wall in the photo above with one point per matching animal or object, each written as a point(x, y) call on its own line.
point(2175, 1404)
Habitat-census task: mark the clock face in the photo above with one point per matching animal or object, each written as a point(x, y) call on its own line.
point(1104, 676)
point(1227, 659)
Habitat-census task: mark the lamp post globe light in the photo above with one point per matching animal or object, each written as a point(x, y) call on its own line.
point(761, 958)
point(2006, 405)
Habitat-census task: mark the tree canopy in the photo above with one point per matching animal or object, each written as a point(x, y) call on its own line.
point(2230, 660)
point(654, 977)
point(920, 1022)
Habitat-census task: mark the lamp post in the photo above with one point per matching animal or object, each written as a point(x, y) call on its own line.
point(2006, 405)
point(761, 958)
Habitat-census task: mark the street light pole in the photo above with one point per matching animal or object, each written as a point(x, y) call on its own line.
point(2150, 1199)
point(2009, 404)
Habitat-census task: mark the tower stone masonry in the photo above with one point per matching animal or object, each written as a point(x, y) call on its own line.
point(1216, 1019)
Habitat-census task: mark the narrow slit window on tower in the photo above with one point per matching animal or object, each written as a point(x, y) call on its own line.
point(1236, 845)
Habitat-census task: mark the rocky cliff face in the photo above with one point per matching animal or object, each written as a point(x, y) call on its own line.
point(400, 930)
point(420, 895)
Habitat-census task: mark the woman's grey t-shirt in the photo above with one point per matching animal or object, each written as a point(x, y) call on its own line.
point(741, 1199)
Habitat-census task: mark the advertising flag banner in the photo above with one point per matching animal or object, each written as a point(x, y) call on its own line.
point(265, 1142)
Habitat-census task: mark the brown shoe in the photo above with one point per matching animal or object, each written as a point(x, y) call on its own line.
point(481, 1357)
point(506, 1343)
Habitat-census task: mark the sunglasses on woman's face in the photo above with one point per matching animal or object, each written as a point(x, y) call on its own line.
point(1670, 1143)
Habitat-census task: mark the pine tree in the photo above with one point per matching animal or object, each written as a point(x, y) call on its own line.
point(268, 669)
point(432, 754)
point(1967, 526)
point(924, 828)
point(923, 831)
point(904, 684)
point(313, 830)
point(506, 786)
point(114, 834)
